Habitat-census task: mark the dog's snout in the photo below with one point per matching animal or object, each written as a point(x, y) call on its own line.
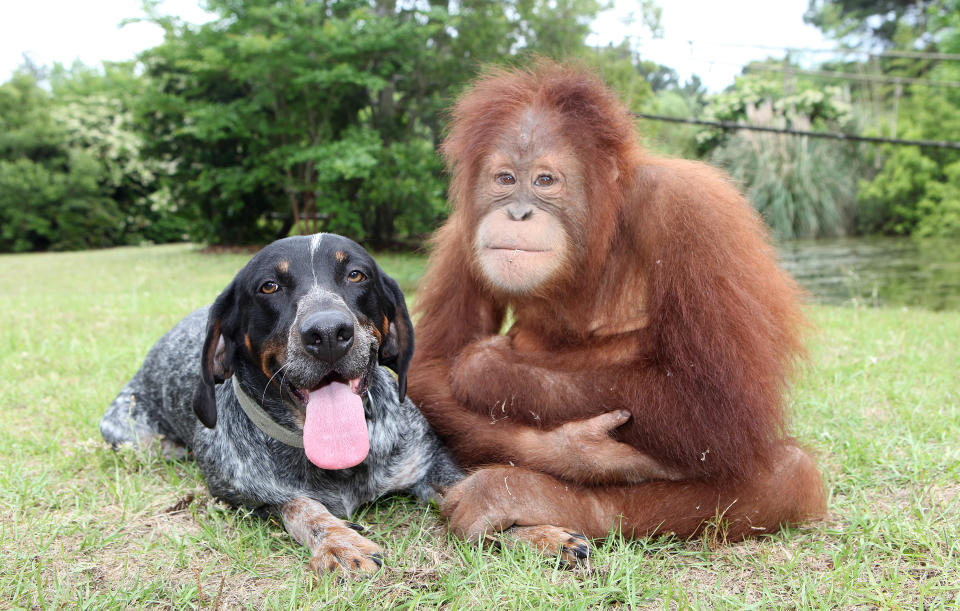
point(327, 335)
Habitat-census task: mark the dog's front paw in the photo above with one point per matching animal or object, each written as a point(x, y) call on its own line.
point(344, 549)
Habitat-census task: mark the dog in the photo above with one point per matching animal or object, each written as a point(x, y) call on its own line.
point(311, 424)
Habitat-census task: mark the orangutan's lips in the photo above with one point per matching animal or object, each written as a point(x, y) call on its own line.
point(509, 249)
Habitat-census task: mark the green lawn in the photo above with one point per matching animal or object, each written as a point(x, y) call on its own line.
point(82, 526)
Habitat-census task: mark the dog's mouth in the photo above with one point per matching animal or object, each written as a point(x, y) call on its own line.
point(301, 396)
point(335, 432)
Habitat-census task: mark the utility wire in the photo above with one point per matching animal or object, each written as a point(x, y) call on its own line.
point(880, 78)
point(952, 57)
point(852, 76)
point(727, 125)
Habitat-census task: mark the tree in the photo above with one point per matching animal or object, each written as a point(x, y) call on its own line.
point(289, 115)
point(264, 107)
point(51, 195)
point(914, 190)
point(72, 172)
point(95, 106)
point(881, 21)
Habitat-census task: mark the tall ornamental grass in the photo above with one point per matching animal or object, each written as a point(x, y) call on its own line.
point(803, 187)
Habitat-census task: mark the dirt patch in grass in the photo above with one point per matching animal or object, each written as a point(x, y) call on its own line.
point(166, 544)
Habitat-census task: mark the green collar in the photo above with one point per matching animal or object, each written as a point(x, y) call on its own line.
point(262, 420)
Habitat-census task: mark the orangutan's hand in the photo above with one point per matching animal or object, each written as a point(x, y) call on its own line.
point(583, 451)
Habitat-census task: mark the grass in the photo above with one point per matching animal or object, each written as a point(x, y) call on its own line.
point(84, 527)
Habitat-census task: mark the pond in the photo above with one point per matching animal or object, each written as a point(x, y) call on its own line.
point(877, 271)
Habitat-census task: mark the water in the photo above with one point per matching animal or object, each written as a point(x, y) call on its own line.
point(877, 271)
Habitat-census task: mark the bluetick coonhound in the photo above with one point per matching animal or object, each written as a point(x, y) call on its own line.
point(311, 425)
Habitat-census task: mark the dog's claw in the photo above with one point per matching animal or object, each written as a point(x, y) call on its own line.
point(357, 527)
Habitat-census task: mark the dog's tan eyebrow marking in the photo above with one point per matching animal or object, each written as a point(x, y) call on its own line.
point(283, 267)
point(341, 256)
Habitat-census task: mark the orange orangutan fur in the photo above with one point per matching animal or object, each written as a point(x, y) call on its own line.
point(673, 309)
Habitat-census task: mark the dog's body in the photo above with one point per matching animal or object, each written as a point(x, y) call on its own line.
point(244, 466)
point(279, 330)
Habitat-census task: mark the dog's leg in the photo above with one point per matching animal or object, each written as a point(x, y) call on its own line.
point(133, 418)
point(335, 544)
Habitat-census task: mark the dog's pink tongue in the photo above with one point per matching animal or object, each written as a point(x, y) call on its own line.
point(335, 431)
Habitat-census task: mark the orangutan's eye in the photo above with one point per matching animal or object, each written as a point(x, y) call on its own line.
point(544, 180)
point(506, 179)
point(269, 287)
point(356, 276)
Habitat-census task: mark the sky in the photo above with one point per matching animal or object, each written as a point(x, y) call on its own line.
point(710, 38)
point(703, 37)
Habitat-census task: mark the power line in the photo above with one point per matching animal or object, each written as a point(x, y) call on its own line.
point(953, 57)
point(853, 76)
point(727, 125)
point(880, 78)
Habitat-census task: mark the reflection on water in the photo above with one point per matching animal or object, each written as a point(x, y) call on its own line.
point(877, 271)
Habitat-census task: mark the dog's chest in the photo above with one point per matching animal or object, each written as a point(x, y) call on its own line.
point(399, 458)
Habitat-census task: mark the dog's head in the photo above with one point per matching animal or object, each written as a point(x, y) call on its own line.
point(305, 312)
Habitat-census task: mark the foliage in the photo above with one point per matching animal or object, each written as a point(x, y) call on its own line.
point(940, 208)
point(274, 117)
point(803, 188)
point(618, 65)
point(55, 206)
point(306, 115)
point(96, 108)
point(913, 191)
point(810, 106)
point(670, 138)
point(912, 194)
point(51, 191)
point(883, 21)
point(72, 174)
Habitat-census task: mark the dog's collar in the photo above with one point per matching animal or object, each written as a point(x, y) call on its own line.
point(262, 420)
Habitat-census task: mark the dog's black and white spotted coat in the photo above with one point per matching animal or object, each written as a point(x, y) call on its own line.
point(255, 332)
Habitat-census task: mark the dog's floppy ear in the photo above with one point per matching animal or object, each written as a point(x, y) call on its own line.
point(216, 360)
point(396, 349)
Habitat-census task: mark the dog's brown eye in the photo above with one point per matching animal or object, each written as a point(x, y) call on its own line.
point(269, 287)
point(356, 276)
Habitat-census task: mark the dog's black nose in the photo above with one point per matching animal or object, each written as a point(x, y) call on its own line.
point(327, 335)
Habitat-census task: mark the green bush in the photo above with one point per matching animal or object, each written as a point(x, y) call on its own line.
point(940, 208)
point(55, 208)
point(890, 202)
point(72, 175)
point(917, 189)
